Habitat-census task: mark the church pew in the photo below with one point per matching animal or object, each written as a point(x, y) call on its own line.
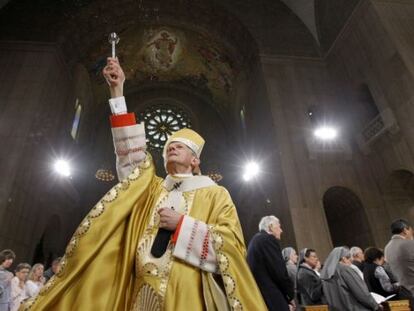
point(397, 305)
point(316, 308)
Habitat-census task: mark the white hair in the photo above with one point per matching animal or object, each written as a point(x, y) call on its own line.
point(355, 250)
point(266, 221)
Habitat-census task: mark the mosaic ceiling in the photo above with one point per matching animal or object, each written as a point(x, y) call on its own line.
point(281, 27)
point(168, 54)
point(205, 44)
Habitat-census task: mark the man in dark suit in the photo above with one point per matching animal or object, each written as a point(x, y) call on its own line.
point(399, 253)
point(264, 256)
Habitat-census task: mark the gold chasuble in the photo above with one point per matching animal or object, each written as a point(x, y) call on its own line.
point(108, 265)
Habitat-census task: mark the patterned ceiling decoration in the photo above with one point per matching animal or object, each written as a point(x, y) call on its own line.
point(161, 51)
point(170, 54)
point(275, 27)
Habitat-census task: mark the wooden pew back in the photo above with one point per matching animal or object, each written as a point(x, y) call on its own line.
point(397, 305)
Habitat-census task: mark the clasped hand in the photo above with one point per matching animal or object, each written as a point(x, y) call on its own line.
point(169, 218)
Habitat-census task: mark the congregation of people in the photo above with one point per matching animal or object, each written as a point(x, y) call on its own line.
point(349, 278)
point(286, 279)
point(25, 283)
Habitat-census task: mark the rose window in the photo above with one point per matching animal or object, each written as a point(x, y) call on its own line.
point(161, 122)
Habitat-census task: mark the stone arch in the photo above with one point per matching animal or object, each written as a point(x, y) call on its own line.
point(346, 217)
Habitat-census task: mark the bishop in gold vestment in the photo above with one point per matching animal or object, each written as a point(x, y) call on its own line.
point(108, 263)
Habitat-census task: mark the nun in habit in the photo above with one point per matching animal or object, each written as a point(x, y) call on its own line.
point(291, 258)
point(343, 288)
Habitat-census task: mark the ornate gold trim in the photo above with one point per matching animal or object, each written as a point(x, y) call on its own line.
point(85, 225)
point(224, 263)
point(147, 299)
point(145, 264)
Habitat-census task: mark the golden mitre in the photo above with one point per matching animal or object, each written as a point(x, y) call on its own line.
point(189, 138)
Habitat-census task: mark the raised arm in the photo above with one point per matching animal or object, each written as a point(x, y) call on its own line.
point(128, 136)
point(115, 77)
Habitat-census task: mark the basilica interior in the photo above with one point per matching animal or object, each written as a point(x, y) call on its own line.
point(256, 78)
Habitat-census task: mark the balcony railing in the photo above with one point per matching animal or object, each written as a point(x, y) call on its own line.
point(377, 127)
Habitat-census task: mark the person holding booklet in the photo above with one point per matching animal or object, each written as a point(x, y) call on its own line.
point(342, 286)
point(377, 279)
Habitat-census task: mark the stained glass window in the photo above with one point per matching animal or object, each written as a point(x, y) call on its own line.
point(161, 122)
point(76, 120)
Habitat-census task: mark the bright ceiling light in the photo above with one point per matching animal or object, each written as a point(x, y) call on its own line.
point(62, 167)
point(251, 170)
point(326, 133)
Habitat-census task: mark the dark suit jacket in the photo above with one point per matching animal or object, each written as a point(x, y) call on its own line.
point(309, 287)
point(264, 256)
point(359, 264)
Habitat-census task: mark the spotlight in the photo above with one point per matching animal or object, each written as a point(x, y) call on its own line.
point(251, 170)
point(326, 133)
point(62, 167)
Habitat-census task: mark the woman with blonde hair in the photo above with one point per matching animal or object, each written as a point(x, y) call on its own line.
point(35, 281)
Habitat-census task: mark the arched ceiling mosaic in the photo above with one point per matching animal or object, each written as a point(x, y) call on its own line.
point(277, 27)
point(168, 54)
point(82, 24)
point(204, 44)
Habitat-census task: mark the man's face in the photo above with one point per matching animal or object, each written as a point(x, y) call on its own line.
point(55, 267)
point(179, 153)
point(276, 230)
point(380, 261)
point(312, 260)
point(7, 263)
point(408, 233)
point(22, 274)
point(359, 256)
